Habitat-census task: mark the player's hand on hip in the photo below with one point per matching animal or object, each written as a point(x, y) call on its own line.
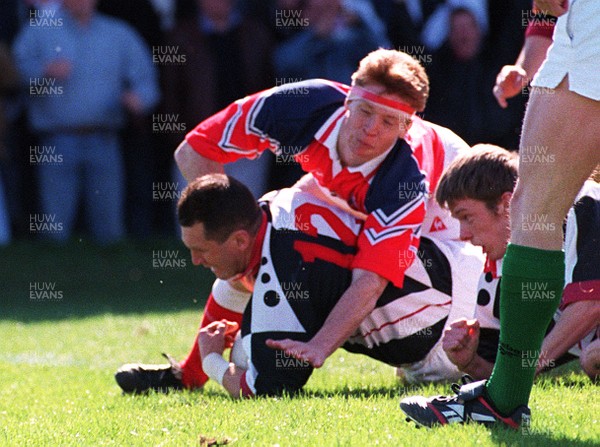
point(300, 350)
point(554, 8)
point(216, 337)
point(509, 82)
point(460, 341)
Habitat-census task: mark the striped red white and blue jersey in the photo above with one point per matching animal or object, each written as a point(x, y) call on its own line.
point(303, 120)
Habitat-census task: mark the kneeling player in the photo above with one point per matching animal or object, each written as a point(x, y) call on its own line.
point(477, 189)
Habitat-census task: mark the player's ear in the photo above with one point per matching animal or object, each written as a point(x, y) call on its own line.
point(504, 203)
point(404, 127)
point(242, 239)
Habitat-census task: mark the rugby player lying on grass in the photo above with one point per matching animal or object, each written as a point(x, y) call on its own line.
point(295, 253)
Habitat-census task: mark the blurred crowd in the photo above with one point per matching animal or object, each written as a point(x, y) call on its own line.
point(95, 95)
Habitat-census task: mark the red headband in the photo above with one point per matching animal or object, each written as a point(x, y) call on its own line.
point(360, 92)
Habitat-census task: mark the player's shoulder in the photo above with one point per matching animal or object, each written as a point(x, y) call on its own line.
point(589, 189)
point(293, 113)
point(451, 143)
point(586, 207)
point(315, 91)
point(442, 132)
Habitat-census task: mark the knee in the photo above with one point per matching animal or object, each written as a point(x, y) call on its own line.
point(590, 360)
point(276, 386)
point(530, 200)
point(535, 214)
point(526, 199)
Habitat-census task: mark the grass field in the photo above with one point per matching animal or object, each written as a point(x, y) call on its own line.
point(69, 316)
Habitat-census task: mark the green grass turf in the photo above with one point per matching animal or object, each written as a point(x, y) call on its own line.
point(58, 356)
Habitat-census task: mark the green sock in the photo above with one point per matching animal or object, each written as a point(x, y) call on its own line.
point(530, 291)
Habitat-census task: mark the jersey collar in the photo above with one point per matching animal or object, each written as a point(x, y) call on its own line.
point(254, 264)
point(493, 267)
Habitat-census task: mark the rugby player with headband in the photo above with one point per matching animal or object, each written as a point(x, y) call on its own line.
point(368, 153)
point(357, 92)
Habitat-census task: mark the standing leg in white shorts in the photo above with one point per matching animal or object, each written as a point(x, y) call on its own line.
point(564, 127)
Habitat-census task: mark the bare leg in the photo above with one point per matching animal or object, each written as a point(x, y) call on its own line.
point(560, 146)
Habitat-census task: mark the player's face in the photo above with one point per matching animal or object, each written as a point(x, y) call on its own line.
point(369, 130)
point(486, 228)
point(224, 259)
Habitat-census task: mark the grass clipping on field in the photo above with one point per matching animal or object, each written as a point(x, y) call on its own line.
point(209, 442)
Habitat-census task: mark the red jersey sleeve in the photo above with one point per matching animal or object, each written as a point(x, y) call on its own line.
point(284, 118)
point(388, 243)
point(229, 135)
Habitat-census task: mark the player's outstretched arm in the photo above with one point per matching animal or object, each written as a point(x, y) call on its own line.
point(575, 322)
point(193, 165)
point(460, 342)
point(352, 308)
